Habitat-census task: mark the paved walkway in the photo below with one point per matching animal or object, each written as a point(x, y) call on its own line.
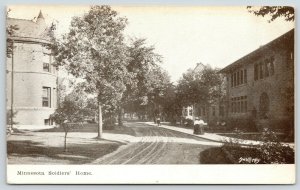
point(209, 136)
point(213, 136)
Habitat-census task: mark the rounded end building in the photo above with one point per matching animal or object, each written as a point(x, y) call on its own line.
point(31, 73)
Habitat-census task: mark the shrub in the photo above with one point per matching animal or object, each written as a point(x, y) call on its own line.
point(285, 126)
point(271, 151)
point(243, 124)
point(189, 123)
point(9, 118)
point(274, 152)
point(109, 123)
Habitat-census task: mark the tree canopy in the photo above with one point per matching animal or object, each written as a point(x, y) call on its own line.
point(203, 87)
point(274, 12)
point(94, 50)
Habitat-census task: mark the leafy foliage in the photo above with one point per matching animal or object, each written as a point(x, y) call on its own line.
point(94, 50)
point(10, 116)
point(203, 87)
point(270, 151)
point(274, 11)
point(10, 31)
point(149, 81)
point(274, 152)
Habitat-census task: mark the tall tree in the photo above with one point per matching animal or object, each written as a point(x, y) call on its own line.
point(203, 87)
point(143, 63)
point(94, 50)
point(274, 12)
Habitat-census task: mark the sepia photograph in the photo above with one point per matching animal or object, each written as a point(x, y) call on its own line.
point(94, 87)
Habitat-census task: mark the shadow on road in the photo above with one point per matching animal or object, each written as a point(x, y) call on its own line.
point(76, 154)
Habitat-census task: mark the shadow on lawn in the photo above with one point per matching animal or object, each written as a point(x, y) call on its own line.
point(77, 153)
point(93, 128)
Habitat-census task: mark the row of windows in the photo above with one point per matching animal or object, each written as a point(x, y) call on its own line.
point(264, 69)
point(239, 104)
point(239, 77)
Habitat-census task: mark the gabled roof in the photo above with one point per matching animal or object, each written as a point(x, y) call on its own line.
point(280, 41)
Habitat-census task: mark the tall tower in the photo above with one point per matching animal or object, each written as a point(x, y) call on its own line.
point(31, 75)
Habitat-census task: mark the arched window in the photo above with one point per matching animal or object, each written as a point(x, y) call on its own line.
point(264, 106)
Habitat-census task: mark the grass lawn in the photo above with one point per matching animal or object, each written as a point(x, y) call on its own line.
point(258, 137)
point(20, 151)
point(93, 128)
point(47, 146)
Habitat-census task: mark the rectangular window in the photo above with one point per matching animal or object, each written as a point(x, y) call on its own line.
point(242, 106)
point(231, 80)
point(46, 97)
point(46, 122)
point(245, 104)
point(245, 75)
point(46, 67)
point(46, 62)
point(234, 105)
point(261, 71)
point(266, 68)
point(238, 78)
point(213, 110)
point(255, 72)
point(242, 76)
point(235, 79)
point(239, 104)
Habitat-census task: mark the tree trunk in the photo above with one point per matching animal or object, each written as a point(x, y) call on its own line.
point(120, 114)
point(65, 144)
point(100, 120)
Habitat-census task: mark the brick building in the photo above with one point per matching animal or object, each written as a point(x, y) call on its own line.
point(260, 85)
point(31, 76)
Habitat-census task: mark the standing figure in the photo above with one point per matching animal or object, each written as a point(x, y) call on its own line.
point(198, 126)
point(158, 120)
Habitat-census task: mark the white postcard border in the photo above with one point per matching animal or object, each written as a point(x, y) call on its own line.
point(151, 174)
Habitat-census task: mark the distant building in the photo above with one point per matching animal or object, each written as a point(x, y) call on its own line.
point(212, 112)
point(190, 112)
point(31, 76)
point(260, 85)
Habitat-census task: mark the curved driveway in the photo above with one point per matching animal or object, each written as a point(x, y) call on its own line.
point(155, 145)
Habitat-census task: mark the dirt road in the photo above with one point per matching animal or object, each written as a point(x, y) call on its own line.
point(157, 145)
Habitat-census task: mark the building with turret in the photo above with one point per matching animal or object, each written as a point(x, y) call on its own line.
point(31, 75)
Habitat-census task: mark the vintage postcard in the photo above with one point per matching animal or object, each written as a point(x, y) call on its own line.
point(150, 94)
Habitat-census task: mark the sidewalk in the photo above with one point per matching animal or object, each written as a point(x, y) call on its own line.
point(212, 136)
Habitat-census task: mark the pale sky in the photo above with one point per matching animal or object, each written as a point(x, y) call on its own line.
point(184, 36)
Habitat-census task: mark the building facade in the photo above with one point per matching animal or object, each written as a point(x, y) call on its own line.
point(260, 85)
point(31, 75)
